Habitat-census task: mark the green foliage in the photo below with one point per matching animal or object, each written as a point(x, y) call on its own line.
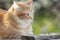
point(44, 22)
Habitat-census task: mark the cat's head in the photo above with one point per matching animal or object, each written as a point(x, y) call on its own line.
point(23, 10)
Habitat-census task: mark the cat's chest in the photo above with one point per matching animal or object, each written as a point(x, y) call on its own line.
point(23, 26)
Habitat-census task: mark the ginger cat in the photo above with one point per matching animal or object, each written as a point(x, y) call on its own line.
point(17, 20)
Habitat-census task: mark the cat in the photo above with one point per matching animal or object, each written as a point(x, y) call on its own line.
point(17, 20)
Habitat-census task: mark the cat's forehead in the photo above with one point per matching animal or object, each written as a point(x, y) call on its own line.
point(23, 5)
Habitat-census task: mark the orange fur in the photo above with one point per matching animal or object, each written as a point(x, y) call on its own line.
point(10, 26)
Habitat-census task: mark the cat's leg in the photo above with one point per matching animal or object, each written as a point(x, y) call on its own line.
point(19, 34)
point(29, 31)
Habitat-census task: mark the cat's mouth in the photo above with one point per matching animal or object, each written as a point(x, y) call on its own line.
point(24, 22)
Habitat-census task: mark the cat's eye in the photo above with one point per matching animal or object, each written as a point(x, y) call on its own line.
point(27, 13)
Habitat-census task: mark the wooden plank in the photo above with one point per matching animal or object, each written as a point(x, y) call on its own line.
point(38, 37)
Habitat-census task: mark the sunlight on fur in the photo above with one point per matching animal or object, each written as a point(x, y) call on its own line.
point(17, 21)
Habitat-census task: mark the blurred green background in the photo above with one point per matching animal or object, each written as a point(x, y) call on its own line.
point(47, 15)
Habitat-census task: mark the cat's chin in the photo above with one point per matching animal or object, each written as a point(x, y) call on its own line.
point(25, 22)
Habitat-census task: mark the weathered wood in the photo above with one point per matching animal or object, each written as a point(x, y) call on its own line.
point(42, 37)
point(37, 37)
point(27, 38)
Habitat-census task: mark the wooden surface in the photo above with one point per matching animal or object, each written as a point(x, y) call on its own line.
point(38, 37)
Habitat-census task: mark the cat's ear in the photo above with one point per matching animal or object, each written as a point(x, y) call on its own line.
point(16, 6)
point(29, 2)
